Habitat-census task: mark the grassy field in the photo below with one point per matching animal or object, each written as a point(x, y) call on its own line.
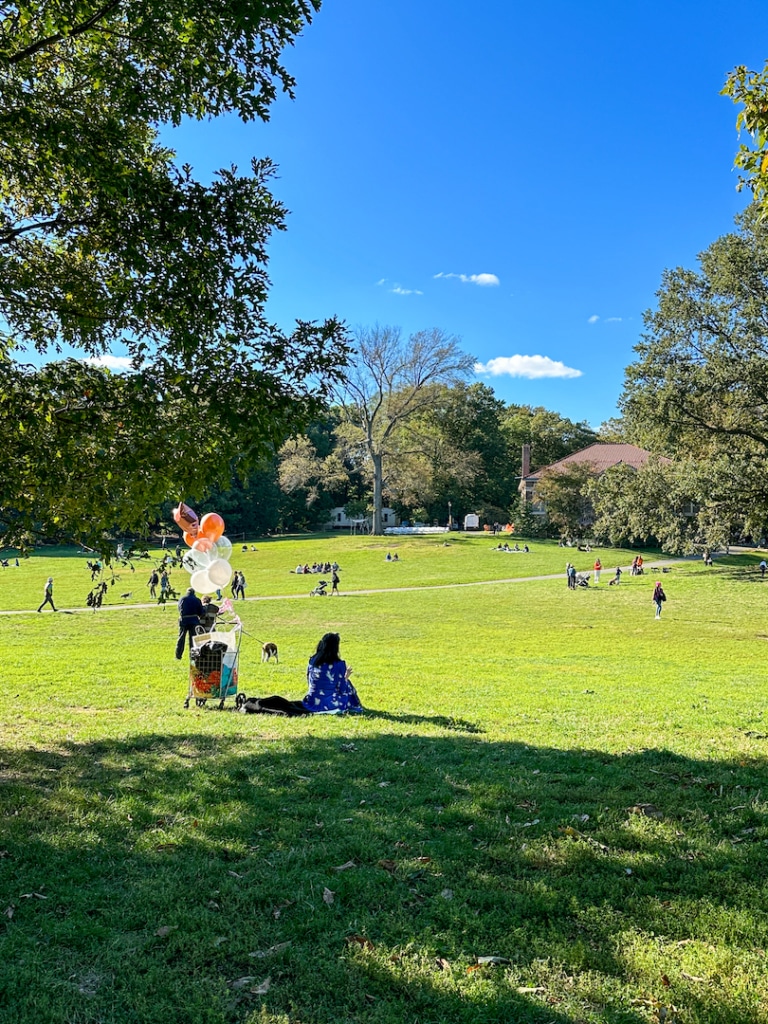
point(550, 779)
point(421, 561)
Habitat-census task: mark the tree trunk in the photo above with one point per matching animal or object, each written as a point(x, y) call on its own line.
point(376, 458)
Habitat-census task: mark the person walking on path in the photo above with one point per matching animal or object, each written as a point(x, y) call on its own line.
point(165, 585)
point(335, 582)
point(190, 611)
point(598, 568)
point(659, 597)
point(48, 598)
point(152, 582)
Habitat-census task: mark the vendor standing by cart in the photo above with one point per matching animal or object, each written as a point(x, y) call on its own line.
point(190, 611)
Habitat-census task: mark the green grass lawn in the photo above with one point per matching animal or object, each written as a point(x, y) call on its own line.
point(549, 778)
point(430, 560)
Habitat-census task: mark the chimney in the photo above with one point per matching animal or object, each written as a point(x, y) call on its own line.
point(526, 461)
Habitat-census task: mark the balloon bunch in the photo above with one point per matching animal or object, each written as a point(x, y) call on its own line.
point(209, 550)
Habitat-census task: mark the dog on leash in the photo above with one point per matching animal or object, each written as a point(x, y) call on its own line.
point(269, 651)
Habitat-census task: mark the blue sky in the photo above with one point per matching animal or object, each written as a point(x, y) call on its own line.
point(518, 175)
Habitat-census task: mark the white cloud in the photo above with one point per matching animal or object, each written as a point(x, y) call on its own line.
point(614, 319)
point(397, 290)
point(381, 282)
point(111, 362)
point(530, 367)
point(593, 319)
point(484, 280)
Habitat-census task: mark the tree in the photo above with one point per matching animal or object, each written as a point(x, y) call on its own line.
point(655, 504)
point(563, 491)
point(698, 390)
point(105, 240)
point(389, 382)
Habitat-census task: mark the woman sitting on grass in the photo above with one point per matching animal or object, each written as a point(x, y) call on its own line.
point(329, 691)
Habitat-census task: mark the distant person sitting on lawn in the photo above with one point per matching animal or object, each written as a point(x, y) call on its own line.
point(617, 578)
point(388, 558)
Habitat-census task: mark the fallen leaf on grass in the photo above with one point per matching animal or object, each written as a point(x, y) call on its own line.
point(531, 991)
point(263, 988)
point(359, 940)
point(9, 911)
point(383, 785)
point(234, 874)
point(345, 867)
point(261, 954)
point(4, 853)
point(167, 847)
point(442, 964)
point(645, 810)
point(166, 929)
point(388, 865)
point(328, 896)
point(447, 894)
point(243, 982)
point(277, 911)
point(492, 960)
point(665, 981)
point(691, 977)
point(219, 940)
point(423, 860)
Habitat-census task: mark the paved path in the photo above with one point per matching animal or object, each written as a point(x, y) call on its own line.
point(356, 593)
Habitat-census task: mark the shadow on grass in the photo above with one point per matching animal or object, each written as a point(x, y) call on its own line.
point(144, 878)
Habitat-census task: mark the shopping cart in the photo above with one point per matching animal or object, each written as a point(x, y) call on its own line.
point(213, 666)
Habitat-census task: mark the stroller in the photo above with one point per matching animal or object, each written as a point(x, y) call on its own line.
point(582, 580)
point(320, 589)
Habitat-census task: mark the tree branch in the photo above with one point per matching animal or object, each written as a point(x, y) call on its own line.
point(78, 30)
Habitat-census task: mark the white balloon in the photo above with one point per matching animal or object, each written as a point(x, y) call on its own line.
point(201, 558)
point(201, 582)
point(189, 563)
point(219, 572)
point(223, 548)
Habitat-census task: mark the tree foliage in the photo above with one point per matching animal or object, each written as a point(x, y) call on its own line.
point(750, 89)
point(550, 435)
point(564, 492)
point(104, 240)
point(698, 390)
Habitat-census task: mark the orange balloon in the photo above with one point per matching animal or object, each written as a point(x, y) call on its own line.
point(211, 526)
point(189, 540)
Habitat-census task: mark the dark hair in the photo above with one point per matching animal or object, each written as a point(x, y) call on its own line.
point(327, 652)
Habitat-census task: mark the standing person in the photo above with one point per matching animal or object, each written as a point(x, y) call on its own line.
point(572, 578)
point(165, 585)
point(658, 598)
point(568, 574)
point(235, 585)
point(48, 595)
point(241, 586)
point(763, 567)
point(598, 569)
point(152, 582)
point(190, 610)
point(335, 582)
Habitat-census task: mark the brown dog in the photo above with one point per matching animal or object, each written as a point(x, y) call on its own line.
point(269, 651)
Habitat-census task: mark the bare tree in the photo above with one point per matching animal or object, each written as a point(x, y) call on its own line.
point(388, 381)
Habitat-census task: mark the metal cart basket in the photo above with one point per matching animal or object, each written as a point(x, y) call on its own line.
point(213, 666)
